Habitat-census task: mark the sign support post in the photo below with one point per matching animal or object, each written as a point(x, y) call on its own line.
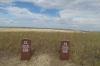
point(25, 49)
point(64, 50)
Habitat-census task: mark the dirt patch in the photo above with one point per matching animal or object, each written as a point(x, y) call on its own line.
point(36, 60)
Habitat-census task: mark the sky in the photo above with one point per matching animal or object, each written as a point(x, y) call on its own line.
point(61, 14)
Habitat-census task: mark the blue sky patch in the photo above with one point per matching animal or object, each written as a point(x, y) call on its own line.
point(62, 14)
point(37, 9)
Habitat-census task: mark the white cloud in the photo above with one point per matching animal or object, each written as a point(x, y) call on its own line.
point(72, 12)
point(50, 3)
point(41, 22)
point(25, 13)
point(6, 20)
point(79, 16)
point(66, 14)
point(59, 4)
point(6, 1)
point(80, 11)
point(87, 20)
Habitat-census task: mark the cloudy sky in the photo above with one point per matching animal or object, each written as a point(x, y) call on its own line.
point(63, 14)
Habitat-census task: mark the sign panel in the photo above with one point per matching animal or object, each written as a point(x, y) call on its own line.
point(64, 50)
point(25, 49)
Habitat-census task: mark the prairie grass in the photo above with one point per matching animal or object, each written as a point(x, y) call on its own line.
point(84, 47)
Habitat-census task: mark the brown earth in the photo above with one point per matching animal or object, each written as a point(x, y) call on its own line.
point(36, 60)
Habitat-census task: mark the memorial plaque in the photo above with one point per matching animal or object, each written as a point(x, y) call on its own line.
point(64, 50)
point(25, 49)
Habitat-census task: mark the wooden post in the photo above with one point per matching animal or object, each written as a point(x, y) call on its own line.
point(25, 49)
point(64, 50)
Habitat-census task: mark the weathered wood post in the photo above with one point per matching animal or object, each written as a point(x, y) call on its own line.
point(25, 49)
point(64, 50)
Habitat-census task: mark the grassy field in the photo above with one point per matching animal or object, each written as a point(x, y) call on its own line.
point(84, 47)
point(36, 30)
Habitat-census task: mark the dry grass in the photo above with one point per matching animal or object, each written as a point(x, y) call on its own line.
point(38, 30)
point(84, 50)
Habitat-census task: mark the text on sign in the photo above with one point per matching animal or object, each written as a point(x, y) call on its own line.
point(65, 48)
point(25, 47)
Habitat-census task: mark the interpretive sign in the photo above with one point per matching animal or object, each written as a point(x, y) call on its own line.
point(64, 50)
point(25, 49)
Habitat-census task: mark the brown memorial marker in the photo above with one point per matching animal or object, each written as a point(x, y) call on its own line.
point(25, 49)
point(64, 50)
